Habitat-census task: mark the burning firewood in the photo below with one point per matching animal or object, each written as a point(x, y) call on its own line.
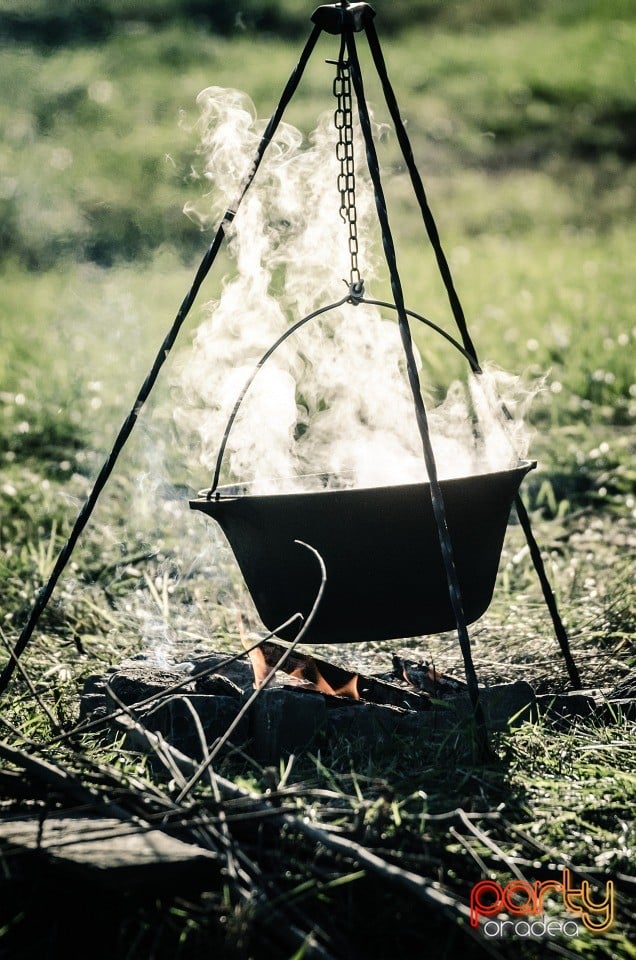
point(425, 678)
point(311, 674)
point(304, 671)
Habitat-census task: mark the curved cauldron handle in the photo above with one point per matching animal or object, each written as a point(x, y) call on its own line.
point(352, 297)
point(472, 360)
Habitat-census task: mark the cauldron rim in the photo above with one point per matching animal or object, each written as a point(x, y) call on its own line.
point(241, 491)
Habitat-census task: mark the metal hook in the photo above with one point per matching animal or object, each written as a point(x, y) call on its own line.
point(356, 292)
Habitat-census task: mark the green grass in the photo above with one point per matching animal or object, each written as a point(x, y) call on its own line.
point(522, 125)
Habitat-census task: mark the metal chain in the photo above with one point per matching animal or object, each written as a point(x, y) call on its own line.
point(343, 119)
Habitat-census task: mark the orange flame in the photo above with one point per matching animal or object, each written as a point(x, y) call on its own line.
point(349, 689)
point(304, 673)
point(258, 660)
point(308, 675)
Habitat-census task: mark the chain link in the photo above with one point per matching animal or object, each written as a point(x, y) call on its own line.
point(343, 120)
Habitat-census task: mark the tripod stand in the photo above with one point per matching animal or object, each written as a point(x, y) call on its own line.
point(346, 21)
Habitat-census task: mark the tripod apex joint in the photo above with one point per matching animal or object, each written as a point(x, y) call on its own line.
point(337, 18)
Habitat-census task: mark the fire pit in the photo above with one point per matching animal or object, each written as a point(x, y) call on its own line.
point(385, 574)
point(310, 704)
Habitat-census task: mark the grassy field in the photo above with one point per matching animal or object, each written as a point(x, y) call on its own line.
point(523, 125)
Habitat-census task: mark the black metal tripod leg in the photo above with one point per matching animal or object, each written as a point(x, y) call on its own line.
point(548, 594)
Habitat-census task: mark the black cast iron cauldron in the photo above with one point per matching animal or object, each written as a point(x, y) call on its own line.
point(380, 546)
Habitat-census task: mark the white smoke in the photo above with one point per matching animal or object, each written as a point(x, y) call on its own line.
point(334, 398)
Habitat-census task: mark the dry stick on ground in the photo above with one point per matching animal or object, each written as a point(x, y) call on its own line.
point(59, 779)
point(488, 842)
point(55, 725)
point(223, 833)
point(205, 829)
point(67, 783)
point(465, 844)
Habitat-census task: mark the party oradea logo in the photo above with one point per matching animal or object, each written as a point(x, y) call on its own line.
point(517, 909)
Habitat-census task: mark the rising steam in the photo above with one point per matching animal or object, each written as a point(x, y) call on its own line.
point(334, 399)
